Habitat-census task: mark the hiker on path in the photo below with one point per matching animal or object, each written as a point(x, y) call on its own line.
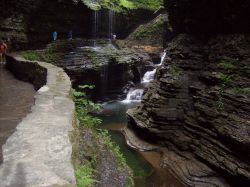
point(3, 50)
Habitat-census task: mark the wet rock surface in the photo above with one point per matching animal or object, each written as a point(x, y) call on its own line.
point(198, 108)
point(105, 66)
point(16, 100)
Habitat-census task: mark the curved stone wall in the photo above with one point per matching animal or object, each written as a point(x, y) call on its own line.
point(39, 152)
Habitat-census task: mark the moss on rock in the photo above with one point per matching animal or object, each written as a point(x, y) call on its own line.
point(123, 5)
point(152, 32)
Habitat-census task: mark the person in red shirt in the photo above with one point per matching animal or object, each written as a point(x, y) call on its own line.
point(3, 50)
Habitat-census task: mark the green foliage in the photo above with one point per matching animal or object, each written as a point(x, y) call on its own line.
point(176, 71)
point(227, 66)
point(150, 29)
point(84, 176)
point(219, 104)
point(84, 107)
point(124, 5)
point(31, 55)
point(85, 173)
point(242, 90)
point(53, 53)
point(115, 149)
point(225, 78)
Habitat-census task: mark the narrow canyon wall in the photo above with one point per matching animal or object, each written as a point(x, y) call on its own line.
point(198, 107)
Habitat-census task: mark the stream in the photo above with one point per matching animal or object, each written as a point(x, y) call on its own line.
point(145, 164)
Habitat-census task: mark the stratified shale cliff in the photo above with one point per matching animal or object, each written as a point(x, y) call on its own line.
point(198, 106)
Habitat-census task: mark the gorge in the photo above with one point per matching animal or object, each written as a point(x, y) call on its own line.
point(171, 82)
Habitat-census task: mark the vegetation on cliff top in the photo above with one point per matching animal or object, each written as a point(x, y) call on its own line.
point(151, 32)
point(123, 5)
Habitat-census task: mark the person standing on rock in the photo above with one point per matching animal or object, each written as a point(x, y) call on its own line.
point(54, 36)
point(3, 50)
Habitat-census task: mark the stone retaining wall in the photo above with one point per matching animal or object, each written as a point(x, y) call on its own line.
point(39, 152)
point(28, 71)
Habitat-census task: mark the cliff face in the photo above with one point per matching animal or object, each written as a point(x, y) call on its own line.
point(209, 16)
point(198, 107)
point(30, 23)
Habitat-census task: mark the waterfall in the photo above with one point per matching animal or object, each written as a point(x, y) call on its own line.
point(163, 56)
point(111, 23)
point(95, 27)
point(134, 95)
point(149, 76)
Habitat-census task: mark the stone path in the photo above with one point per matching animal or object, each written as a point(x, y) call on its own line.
point(39, 152)
point(16, 99)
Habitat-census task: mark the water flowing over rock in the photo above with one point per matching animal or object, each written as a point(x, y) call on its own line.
point(197, 114)
point(134, 95)
point(149, 76)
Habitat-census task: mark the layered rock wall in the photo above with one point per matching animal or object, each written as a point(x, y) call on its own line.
point(198, 106)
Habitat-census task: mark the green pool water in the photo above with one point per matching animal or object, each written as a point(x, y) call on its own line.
point(146, 174)
point(114, 119)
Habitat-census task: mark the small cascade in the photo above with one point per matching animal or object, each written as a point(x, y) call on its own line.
point(111, 24)
point(149, 76)
point(134, 95)
point(95, 26)
point(163, 56)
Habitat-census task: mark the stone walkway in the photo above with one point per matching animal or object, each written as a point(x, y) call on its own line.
point(16, 99)
point(39, 152)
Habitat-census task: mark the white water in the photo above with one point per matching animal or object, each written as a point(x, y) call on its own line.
point(134, 96)
point(163, 57)
point(95, 27)
point(111, 23)
point(149, 76)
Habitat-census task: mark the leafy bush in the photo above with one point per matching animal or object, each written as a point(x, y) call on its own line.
point(150, 29)
point(226, 79)
point(124, 5)
point(84, 176)
point(85, 173)
point(115, 149)
point(84, 107)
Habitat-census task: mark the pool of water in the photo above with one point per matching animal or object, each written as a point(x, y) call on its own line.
point(145, 165)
